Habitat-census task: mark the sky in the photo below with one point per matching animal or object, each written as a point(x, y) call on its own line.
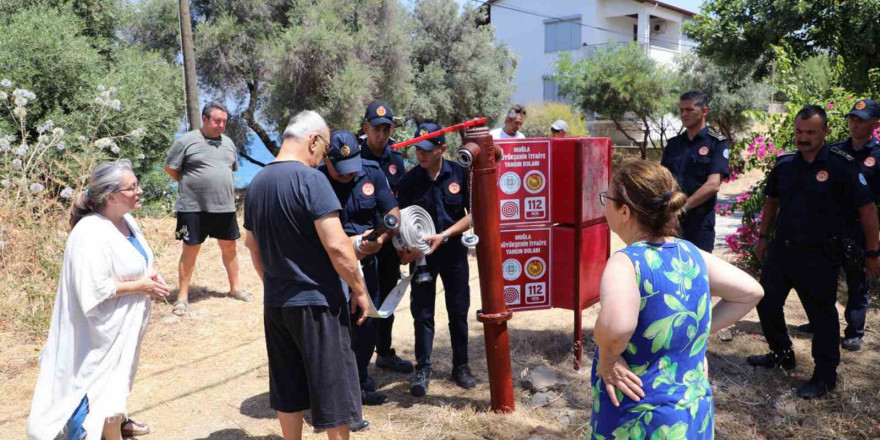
point(247, 170)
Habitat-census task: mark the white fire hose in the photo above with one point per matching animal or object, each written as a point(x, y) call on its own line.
point(415, 224)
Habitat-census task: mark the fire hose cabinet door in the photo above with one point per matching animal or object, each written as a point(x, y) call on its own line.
point(526, 267)
point(524, 182)
point(597, 177)
point(596, 246)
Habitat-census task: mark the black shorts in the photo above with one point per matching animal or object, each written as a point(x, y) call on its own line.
point(194, 227)
point(311, 364)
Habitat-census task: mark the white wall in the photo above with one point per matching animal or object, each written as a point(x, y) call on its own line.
point(524, 34)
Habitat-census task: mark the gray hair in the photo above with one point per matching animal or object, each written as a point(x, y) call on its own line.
point(105, 181)
point(303, 125)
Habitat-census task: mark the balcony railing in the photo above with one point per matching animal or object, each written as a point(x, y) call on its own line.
point(659, 54)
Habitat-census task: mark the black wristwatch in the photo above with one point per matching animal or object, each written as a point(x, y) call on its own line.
point(872, 253)
point(446, 238)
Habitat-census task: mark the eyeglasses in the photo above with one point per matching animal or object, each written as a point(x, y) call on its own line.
point(325, 141)
point(604, 198)
point(134, 188)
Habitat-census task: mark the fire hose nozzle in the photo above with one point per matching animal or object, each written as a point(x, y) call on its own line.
point(389, 223)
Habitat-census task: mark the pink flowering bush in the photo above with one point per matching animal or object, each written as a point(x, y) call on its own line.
point(724, 210)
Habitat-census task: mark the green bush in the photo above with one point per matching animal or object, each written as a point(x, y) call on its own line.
point(541, 115)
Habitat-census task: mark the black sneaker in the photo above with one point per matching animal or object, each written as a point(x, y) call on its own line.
point(774, 359)
point(394, 363)
point(815, 389)
point(373, 398)
point(463, 377)
point(805, 328)
point(360, 425)
point(418, 385)
point(852, 344)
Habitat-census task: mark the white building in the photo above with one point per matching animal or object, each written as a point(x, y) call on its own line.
point(537, 31)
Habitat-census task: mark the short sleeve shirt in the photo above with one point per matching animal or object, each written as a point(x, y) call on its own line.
point(868, 160)
point(499, 133)
point(364, 199)
point(692, 161)
point(816, 200)
point(391, 163)
point(445, 199)
point(281, 206)
point(205, 166)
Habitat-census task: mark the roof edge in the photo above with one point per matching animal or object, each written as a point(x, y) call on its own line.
point(681, 11)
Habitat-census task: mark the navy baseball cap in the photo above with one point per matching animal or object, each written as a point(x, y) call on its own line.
point(865, 109)
point(379, 113)
point(434, 142)
point(344, 152)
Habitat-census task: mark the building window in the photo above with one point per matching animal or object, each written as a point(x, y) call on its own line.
point(551, 92)
point(562, 34)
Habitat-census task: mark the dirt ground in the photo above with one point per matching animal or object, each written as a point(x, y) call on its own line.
point(205, 376)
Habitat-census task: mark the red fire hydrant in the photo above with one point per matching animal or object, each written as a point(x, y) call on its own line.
point(480, 153)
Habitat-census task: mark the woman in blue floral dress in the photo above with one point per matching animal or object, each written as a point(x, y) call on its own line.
point(650, 376)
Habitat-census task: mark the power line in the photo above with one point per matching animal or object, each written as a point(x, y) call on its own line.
point(538, 14)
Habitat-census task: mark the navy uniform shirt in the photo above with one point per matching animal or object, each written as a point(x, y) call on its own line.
point(868, 160)
point(816, 199)
point(391, 163)
point(692, 161)
point(445, 198)
point(364, 199)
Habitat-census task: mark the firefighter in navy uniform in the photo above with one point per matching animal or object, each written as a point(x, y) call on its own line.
point(810, 197)
point(441, 188)
point(865, 149)
point(699, 160)
point(365, 197)
point(378, 126)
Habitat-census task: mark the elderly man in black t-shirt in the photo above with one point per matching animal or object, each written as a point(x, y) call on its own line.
point(309, 269)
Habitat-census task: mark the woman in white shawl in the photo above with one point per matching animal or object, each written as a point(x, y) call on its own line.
point(101, 311)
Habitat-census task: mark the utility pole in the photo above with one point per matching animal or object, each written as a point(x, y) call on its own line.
point(189, 66)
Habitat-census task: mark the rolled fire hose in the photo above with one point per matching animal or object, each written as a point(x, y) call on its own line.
point(415, 223)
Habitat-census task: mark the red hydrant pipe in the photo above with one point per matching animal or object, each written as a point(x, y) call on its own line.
point(486, 219)
point(472, 123)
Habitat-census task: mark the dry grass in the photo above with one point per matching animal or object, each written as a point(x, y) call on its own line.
point(204, 377)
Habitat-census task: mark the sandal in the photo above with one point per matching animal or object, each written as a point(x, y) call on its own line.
point(242, 295)
point(130, 428)
point(180, 307)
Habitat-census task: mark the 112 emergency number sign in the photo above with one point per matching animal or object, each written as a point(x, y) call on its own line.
point(526, 267)
point(524, 182)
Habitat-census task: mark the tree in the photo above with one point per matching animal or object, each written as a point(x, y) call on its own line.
point(731, 92)
point(460, 71)
point(154, 26)
point(542, 115)
point(100, 20)
point(621, 83)
point(278, 57)
point(736, 32)
point(65, 68)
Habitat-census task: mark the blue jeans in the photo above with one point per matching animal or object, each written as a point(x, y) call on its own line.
point(75, 429)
